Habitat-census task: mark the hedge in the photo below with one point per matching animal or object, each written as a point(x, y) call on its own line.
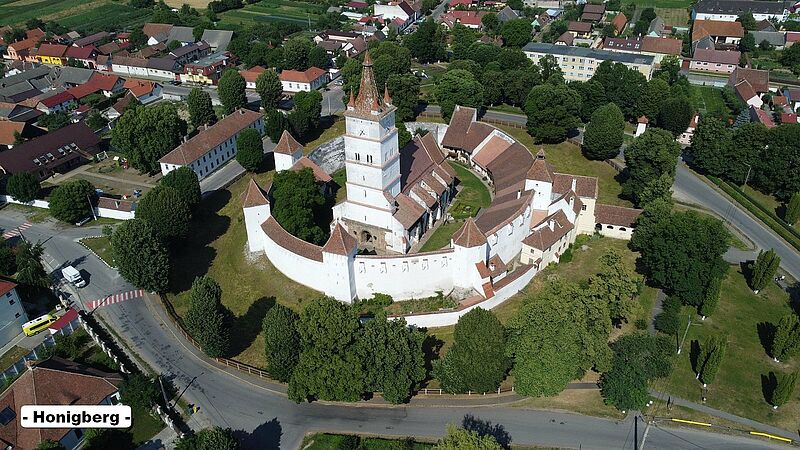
point(780, 227)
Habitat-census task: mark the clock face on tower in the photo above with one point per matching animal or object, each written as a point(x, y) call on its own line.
point(361, 133)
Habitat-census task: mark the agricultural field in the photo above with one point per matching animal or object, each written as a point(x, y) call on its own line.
point(709, 100)
point(674, 16)
point(683, 4)
point(298, 12)
point(85, 15)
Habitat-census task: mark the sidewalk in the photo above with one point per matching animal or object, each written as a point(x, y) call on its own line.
point(752, 424)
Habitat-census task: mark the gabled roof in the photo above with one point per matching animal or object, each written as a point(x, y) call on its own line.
point(91, 39)
point(667, 46)
point(616, 215)
point(319, 174)
point(702, 28)
point(594, 8)
point(287, 144)
point(207, 139)
point(774, 38)
point(217, 39)
point(737, 7)
point(7, 130)
point(544, 237)
point(717, 56)
point(306, 76)
point(81, 52)
point(293, 244)
point(6, 286)
point(55, 100)
point(580, 27)
point(619, 22)
point(745, 91)
point(584, 186)
point(408, 211)
point(52, 50)
point(340, 242)
point(139, 87)
point(469, 235)
point(253, 195)
point(251, 75)
point(152, 29)
point(20, 158)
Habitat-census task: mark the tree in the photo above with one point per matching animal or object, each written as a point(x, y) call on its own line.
point(593, 96)
point(777, 169)
point(764, 268)
point(231, 91)
point(747, 21)
point(147, 134)
point(783, 389)
point(392, 357)
point(476, 361)
point(517, 83)
point(297, 201)
point(615, 285)
point(638, 359)
point(457, 87)
point(683, 254)
point(105, 438)
point(186, 184)
point(275, 124)
point(282, 341)
point(269, 88)
point(54, 121)
point(23, 187)
point(603, 136)
point(623, 86)
point(72, 201)
point(404, 90)
point(306, 113)
point(711, 298)
point(201, 112)
point(748, 43)
point(490, 23)
point(552, 112)
point(765, 45)
point(206, 319)
point(660, 188)
point(462, 439)
point(403, 135)
point(668, 321)
point(318, 57)
point(675, 115)
point(649, 156)
point(49, 444)
point(711, 353)
point(96, 121)
point(792, 214)
point(653, 95)
point(786, 340)
point(427, 44)
point(140, 257)
point(295, 53)
point(8, 260)
point(516, 33)
point(329, 367)
point(217, 438)
point(30, 270)
point(249, 149)
point(710, 147)
point(166, 211)
point(139, 391)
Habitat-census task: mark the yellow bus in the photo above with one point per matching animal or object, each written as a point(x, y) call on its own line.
point(38, 324)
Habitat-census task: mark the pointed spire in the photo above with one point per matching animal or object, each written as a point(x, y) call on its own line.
point(367, 59)
point(352, 102)
point(386, 98)
point(368, 101)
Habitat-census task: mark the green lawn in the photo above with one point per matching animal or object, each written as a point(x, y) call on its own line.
point(765, 200)
point(340, 178)
point(12, 355)
point(708, 100)
point(567, 158)
point(145, 426)
point(34, 215)
point(441, 236)
point(323, 441)
point(101, 246)
point(473, 194)
point(326, 132)
point(250, 283)
point(297, 12)
point(673, 16)
point(738, 388)
point(427, 304)
point(660, 3)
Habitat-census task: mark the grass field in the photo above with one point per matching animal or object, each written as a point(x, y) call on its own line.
point(101, 246)
point(660, 3)
point(250, 284)
point(766, 200)
point(12, 355)
point(88, 15)
point(322, 441)
point(708, 100)
point(673, 16)
point(441, 236)
point(298, 12)
point(567, 158)
point(473, 195)
point(738, 387)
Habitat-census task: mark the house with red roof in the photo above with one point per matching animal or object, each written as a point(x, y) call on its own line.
point(21, 50)
point(251, 75)
point(55, 54)
point(718, 61)
point(758, 115)
point(295, 81)
point(85, 55)
point(60, 102)
point(12, 314)
point(470, 19)
point(99, 82)
point(144, 91)
point(789, 118)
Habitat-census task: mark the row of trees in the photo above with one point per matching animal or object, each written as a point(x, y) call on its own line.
point(338, 358)
point(766, 158)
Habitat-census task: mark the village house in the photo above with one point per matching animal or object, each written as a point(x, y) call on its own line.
point(21, 50)
point(310, 79)
point(12, 314)
point(60, 102)
point(190, 52)
point(582, 30)
point(251, 75)
point(144, 91)
point(87, 55)
point(720, 33)
point(749, 84)
point(469, 19)
point(10, 130)
point(730, 10)
point(212, 146)
point(207, 70)
point(758, 115)
point(54, 381)
point(579, 63)
point(108, 85)
point(648, 45)
point(407, 12)
point(593, 12)
point(58, 151)
point(717, 61)
point(55, 54)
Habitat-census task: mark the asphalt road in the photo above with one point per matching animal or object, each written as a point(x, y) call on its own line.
point(265, 419)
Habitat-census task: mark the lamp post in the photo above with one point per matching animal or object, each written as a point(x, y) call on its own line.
point(747, 177)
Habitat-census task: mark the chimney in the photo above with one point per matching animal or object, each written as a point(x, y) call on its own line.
point(571, 200)
point(519, 193)
point(552, 224)
point(574, 184)
point(184, 139)
point(241, 111)
point(492, 266)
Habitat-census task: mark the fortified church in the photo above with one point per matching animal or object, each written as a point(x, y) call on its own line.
point(394, 196)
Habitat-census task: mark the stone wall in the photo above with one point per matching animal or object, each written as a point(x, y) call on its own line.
point(438, 129)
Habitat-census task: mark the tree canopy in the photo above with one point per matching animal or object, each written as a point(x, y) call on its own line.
point(638, 359)
point(249, 149)
point(231, 91)
point(269, 88)
point(167, 213)
point(23, 187)
point(145, 135)
point(457, 87)
point(516, 33)
point(306, 113)
point(201, 111)
point(603, 136)
point(185, 182)
point(282, 341)
point(207, 320)
point(72, 201)
point(297, 202)
point(650, 155)
point(139, 255)
point(552, 112)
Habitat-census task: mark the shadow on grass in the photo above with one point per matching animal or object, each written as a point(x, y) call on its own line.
point(694, 355)
point(248, 325)
point(766, 333)
point(431, 347)
point(192, 257)
point(768, 384)
point(314, 134)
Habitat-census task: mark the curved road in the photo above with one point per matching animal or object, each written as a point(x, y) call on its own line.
point(265, 419)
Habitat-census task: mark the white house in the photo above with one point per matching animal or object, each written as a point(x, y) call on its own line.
point(287, 152)
point(310, 79)
point(60, 102)
point(407, 12)
point(730, 10)
point(213, 146)
point(12, 314)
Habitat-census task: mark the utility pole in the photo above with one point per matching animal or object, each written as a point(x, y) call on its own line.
point(680, 346)
point(163, 392)
point(747, 177)
point(91, 207)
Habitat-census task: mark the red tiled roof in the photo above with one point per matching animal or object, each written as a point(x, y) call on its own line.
point(7, 129)
point(469, 235)
point(6, 286)
point(615, 215)
point(619, 22)
point(306, 76)
point(703, 28)
point(285, 240)
point(287, 144)
point(254, 195)
point(717, 56)
point(491, 150)
point(207, 139)
point(55, 100)
point(251, 75)
point(788, 118)
point(319, 174)
point(594, 9)
point(758, 79)
point(408, 211)
point(584, 186)
point(667, 46)
point(139, 87)
point(62, 321)
point(81, 52)
point(340, 242)
point(580, 27)
point(745, 90)
point(544, 237)
point(52, 50)
point(115, 204)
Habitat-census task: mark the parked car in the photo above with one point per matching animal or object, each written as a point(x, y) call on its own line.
point(72, 275)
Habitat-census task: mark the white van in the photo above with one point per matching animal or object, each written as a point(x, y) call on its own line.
point(72, 275)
